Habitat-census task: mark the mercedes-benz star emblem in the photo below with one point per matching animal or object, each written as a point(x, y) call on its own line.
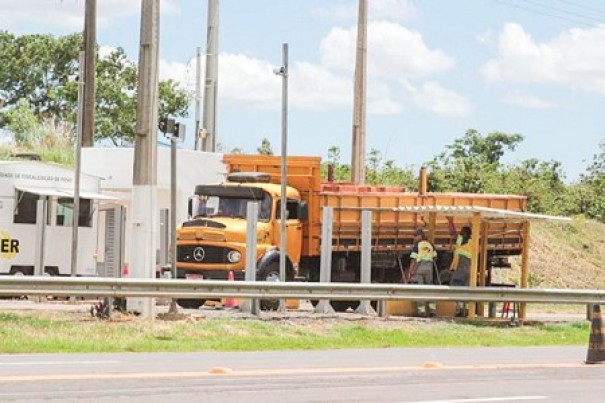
point(198, 254)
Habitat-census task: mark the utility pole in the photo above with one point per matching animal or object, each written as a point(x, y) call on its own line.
point(198, 95)
point(90, 52)
point(144, 195)
point(283, 240)
point(358, 150)
point(211, 84)
point(76, 210)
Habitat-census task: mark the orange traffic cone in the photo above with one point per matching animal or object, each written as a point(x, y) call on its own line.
point(596, 341)
point(230, 301)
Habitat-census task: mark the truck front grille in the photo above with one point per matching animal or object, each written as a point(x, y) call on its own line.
point(202, 254)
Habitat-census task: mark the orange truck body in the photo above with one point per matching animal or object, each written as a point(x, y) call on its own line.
point(392, 231)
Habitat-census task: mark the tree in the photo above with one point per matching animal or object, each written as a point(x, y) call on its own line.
point(37, 68)
point(40, 69)
point(488, 149)
point(471, 162)
point(22, 122)
point(593, 184)
point(265, 147)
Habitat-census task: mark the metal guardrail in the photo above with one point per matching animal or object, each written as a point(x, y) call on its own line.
point(162, 288)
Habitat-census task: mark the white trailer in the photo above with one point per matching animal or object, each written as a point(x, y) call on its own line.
point(36, 219)
point(115, 167)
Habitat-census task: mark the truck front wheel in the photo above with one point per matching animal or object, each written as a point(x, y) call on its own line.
point(270, 273)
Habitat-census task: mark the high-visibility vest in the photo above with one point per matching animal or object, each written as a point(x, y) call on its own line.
point(462, 251)
point(423, 251)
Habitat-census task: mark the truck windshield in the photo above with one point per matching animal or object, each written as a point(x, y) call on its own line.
point(215, 206)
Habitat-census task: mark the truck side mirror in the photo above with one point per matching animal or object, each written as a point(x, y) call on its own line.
point(189, 207)
point(303, 211)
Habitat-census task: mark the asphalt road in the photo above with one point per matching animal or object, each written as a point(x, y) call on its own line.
point(550, 374)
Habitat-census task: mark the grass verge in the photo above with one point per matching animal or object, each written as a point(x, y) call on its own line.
point(29, 333)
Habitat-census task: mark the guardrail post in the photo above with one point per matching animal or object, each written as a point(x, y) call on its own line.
point(325, 268)
point(365, 308)
point(251, 305)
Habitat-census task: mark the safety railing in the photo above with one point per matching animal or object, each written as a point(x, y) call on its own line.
point(207, 289)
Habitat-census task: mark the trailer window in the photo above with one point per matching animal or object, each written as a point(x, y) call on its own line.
point(26, 208)
point(65, 212)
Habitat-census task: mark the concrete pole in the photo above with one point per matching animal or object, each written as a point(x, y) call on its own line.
point(173, 187)
point(89, 74)
point(524, 267)
point(358, 151)
point(472, 282)
point(365, 308)
point(144, 195)
point(79, 134)
point(198, 96)
point(173, 164)
point(251, 305)
point(211, 84)
point(283, 239)
point(325, 263)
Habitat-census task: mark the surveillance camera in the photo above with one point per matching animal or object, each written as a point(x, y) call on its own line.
point(278, 71)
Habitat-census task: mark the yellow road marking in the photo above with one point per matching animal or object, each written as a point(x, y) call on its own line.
point(226, 372)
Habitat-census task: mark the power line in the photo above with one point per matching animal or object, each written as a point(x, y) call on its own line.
point(582, 7)
point(564, 11)
point(543, 13)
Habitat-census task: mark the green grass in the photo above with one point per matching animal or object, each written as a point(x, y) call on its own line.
point(25, 333)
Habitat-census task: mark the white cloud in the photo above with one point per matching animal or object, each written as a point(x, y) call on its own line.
point(105, 51)
point(528, 101)
point(433, 97)
point(69, 14)
point(486, 37)
point(175, 71)
point(576, 58)
point(314, 87)
point(390, 10)
point(393, 52)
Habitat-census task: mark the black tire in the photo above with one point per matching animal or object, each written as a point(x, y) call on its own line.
point(190, 303)
point(342, 306)
point(270, 273)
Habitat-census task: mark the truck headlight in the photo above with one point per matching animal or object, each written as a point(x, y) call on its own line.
point(234, 256)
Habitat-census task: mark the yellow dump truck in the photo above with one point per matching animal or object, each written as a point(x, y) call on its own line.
point(213, 242)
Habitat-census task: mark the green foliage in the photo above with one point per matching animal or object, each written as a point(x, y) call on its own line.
point(488, 149)
point(591, 190)
point(472, 162)
point(265, 147)
point(342, 172)
point(22, 122)
point(377, 171)
point(37, 69)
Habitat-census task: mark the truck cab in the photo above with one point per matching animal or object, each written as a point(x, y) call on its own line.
point(213, 241)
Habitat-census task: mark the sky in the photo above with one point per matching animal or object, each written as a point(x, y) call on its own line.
point(436, 68)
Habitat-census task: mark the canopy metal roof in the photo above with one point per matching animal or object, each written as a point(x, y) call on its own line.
point(84, 194)
point(486, 213)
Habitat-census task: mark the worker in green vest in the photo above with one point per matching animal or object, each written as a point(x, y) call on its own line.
point(420, 270)
point(461, 262)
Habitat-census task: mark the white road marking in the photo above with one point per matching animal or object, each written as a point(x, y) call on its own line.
point(486, 399)
point(27, 363)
